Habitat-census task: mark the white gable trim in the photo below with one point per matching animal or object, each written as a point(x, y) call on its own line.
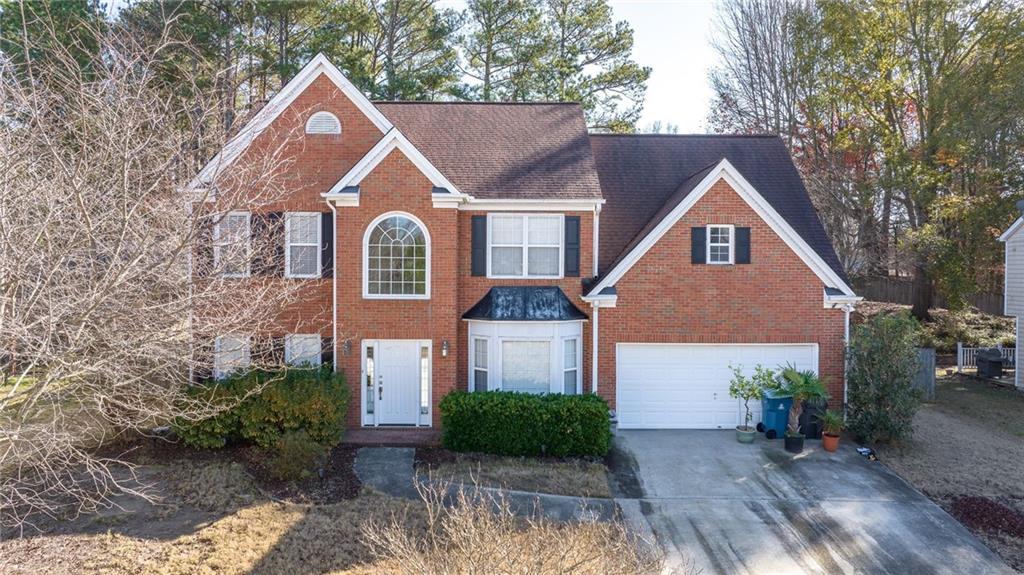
point(278, 104)
point(1014, 228)
point(725, 171)
point(393, 140)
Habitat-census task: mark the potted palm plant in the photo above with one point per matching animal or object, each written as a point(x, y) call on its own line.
point(832, 424)
point(745, 389)
point(801, 386)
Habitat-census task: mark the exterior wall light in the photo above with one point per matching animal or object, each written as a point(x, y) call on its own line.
point(444, 348)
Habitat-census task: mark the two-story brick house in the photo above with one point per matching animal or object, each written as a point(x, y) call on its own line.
point(501, 246)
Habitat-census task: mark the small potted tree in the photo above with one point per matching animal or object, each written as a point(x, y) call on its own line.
point(832, 424)
point(745, 389)
point(802, 386)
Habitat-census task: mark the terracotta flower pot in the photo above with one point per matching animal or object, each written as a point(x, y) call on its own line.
point(830, 442)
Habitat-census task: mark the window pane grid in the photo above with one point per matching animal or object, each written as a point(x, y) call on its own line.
point(397, 258)
point(526, 246)
point(719, 244)
point(231, 247)
point(303, 239)
point(570, 375)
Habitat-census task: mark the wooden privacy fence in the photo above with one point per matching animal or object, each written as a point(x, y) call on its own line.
point(893, 290)
point(925, 378)
point(967, 357)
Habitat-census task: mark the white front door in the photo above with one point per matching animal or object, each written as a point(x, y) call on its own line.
point(398, 385)
point(686, 386)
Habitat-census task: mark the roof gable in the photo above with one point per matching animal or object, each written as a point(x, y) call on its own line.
point(687, 195)
point(260, 121)
point(1013, 229)
point(640, 173)
point(393, 140)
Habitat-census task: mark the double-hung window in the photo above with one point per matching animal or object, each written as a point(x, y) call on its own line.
point(231, 245)
point(479, 364)
point(302, 249)
point(302, 349)
point(720, 245)
point(230, 354)
point(571, 370)
point(525, 245)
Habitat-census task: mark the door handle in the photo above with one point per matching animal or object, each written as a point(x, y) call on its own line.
point(380, 392)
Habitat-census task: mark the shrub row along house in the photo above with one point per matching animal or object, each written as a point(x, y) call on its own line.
point(492, 246)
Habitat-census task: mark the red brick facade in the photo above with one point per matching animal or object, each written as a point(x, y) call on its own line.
point(775, 299)
point(663, 298)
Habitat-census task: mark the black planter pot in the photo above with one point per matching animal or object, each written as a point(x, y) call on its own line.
point(794, 443)
point(810, 419)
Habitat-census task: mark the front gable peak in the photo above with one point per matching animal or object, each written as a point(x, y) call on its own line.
point(320, 65)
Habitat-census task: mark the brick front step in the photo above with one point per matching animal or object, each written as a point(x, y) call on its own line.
point(400, 436)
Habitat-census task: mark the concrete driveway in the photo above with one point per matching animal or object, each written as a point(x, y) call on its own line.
point(724, 507)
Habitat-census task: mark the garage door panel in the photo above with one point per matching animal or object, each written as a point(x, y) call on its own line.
point(687, 385)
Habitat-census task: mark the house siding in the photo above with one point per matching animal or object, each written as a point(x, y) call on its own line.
point(777, 298)
point(1015, 274)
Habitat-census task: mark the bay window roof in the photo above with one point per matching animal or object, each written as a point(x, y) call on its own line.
point(525, 303)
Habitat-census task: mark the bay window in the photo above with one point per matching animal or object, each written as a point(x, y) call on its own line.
point(525, 357)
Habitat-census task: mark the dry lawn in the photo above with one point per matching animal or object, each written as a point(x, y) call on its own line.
point(968, 442)
point(579, 477)
point(213, 518)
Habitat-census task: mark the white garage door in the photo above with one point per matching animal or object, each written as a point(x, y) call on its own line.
point(686, 386)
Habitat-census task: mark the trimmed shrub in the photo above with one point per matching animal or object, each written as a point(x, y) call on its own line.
point(295, 456)
point(314, 400)
point(882, 360)
point(508, 423)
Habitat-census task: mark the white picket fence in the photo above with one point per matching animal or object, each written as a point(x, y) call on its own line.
point(967, 357)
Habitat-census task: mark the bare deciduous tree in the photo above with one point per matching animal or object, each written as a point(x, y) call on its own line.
point(110, 291)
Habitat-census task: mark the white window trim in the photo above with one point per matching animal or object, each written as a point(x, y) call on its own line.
point(217, 343)
point(526, 246)
point(366, 258)
point(554, 333)
point(579, 364)
point(289, 354)
point(288, 245)
point(732, 244)
point(217, 246)
point(473, 367)
point(334, 131)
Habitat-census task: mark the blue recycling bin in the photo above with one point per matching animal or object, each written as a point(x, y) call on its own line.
point(775, 413)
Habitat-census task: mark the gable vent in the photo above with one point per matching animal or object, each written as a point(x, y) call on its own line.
point(323, 123)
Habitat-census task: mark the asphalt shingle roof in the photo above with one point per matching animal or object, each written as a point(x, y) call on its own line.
point(503, 150)
point(644, 176)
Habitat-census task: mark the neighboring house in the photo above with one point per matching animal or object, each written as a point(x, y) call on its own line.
point(500, 246)
point(1013, 303)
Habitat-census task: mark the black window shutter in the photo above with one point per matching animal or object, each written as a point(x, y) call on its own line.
point(327, 353)
point(698, 246)
point(572, 246)
point(276, 350)
point(203, 370)
point(266, 233)
point(326, 244)
point(743, 245)
point(204, 248)
point(479, 250)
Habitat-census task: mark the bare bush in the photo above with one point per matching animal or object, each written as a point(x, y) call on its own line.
point(109, 289)
point(474, 531)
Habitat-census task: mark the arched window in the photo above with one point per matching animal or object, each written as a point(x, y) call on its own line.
point(397, 258)
point(323, 123)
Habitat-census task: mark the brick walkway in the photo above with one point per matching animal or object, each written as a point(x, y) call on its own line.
point(410, 437)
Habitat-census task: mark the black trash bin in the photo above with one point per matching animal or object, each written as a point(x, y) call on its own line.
point(810, 418)
point(990, 363)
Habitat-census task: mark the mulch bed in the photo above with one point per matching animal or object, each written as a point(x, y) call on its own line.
point(984, 514)
point(335, 481)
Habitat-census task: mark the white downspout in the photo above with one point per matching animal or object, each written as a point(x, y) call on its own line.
point(846, 345)
point(597, 236)
point(593, 350)
point(334, 287)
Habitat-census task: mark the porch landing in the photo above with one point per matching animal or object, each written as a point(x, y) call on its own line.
point(393, 436)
